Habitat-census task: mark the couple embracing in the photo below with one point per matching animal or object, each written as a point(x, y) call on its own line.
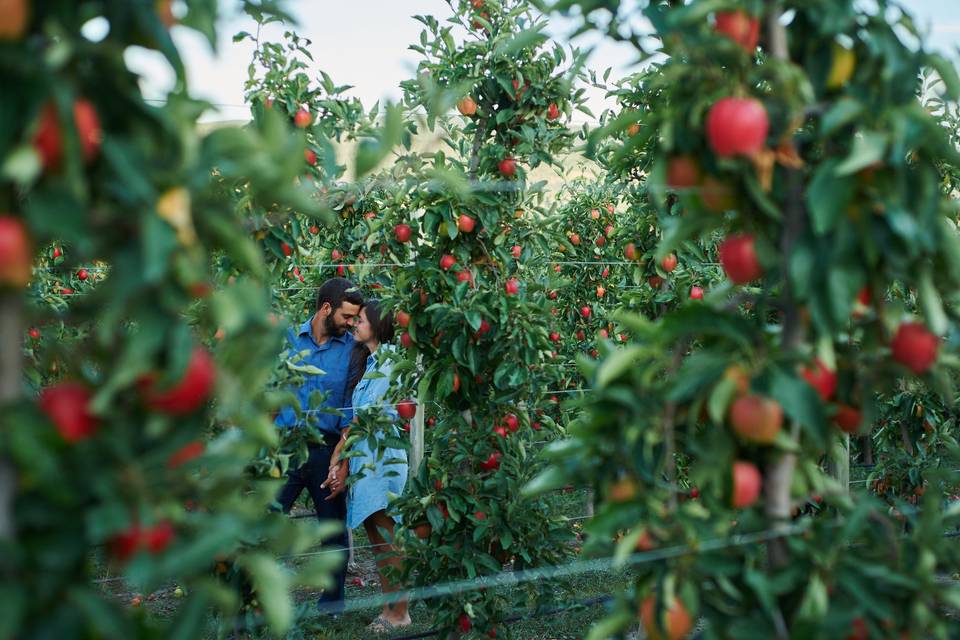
point(348, 339)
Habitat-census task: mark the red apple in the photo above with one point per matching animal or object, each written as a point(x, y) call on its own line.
point(465, 623)
point(512, 287)
point(737, 127)
point(512, 422)
point(716, 195)
point(507, 167)
point(14, 19)
point(553, 111)
point(554, 336)
point(516, 251)
point(158, 537)
point(467, 106)
point(67, 405)
point(447, 261)
point(683, 172)
point(336, 255)
point(189, 393)
point(821, 378)
point(83, 274)
point(465, 223)
point(915, 347)
point(464, 275)
point(303, 118)
point(574, 239)
point(48, 140)
point(674, 619)
point(407, 409)
point(756, 419)
point(669, 263)
point(595, 214)
point(740, 27)
point(286, 249)
point(848, 418)
point(34, 333)
point(16, 255)
point(746, 484)
point(630, 251)
point(402, 232)
point(696, 293)
point(403, 319)
point(310, 156)
point(738, 257)
point(185, 454)
point(585, 312)
point(406, 341)
point(492, 462)
point(484, 328)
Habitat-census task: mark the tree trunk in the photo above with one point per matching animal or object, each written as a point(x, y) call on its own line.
point(779, 471)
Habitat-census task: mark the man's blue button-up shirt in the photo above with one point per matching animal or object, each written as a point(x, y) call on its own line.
point(333, 358)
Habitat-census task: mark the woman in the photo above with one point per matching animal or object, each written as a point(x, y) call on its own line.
point(376, 473)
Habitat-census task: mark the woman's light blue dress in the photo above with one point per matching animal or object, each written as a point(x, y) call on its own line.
point(377, 477)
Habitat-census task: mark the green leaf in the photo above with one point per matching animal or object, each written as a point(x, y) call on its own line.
point(101, 615)
point(931, 303)
point(828, 196)
point(272, 584)
point(616, 364)
point(528, 38)
point(947, 72)
point(720, 399)
point(868, 147)
point(842, 113)
point(801, 403)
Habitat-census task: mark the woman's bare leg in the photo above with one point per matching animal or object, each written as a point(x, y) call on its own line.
point(396, 613)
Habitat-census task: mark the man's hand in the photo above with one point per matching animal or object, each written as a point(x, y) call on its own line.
point(336, 480)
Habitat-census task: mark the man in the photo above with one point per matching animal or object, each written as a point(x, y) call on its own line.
point(326, 342)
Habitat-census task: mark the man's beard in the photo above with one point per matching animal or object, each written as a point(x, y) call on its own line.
point(332, 328)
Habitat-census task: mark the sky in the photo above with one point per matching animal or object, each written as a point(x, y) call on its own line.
point(364, 43)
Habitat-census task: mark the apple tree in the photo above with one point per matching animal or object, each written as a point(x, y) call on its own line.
point(793, 132)
point(131, 455)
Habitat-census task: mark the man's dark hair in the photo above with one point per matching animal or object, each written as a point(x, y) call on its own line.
point(336, 291)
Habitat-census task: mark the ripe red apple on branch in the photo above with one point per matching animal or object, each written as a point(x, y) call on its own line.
point(747, 482)
point(756, 419)
point(67, 405)
point(740, 27)
point(738, 257)
point(737, 127)
point(669, 263)
point(189, 393)
point(401, 232)
point(16, 255)
point(821, 378)
point(467, 106)
point(48, 140)
point(915, 347)
point(407, 409)
point(674, 619)
point(683, 172)
point(466, 223)
point(302, 118)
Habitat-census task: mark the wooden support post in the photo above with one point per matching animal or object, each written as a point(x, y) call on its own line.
point(416, 439)
point(11, 381)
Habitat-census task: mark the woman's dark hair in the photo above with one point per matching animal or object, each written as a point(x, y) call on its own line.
point(381, 323)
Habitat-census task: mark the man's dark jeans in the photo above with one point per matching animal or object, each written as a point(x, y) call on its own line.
point(310, 476)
